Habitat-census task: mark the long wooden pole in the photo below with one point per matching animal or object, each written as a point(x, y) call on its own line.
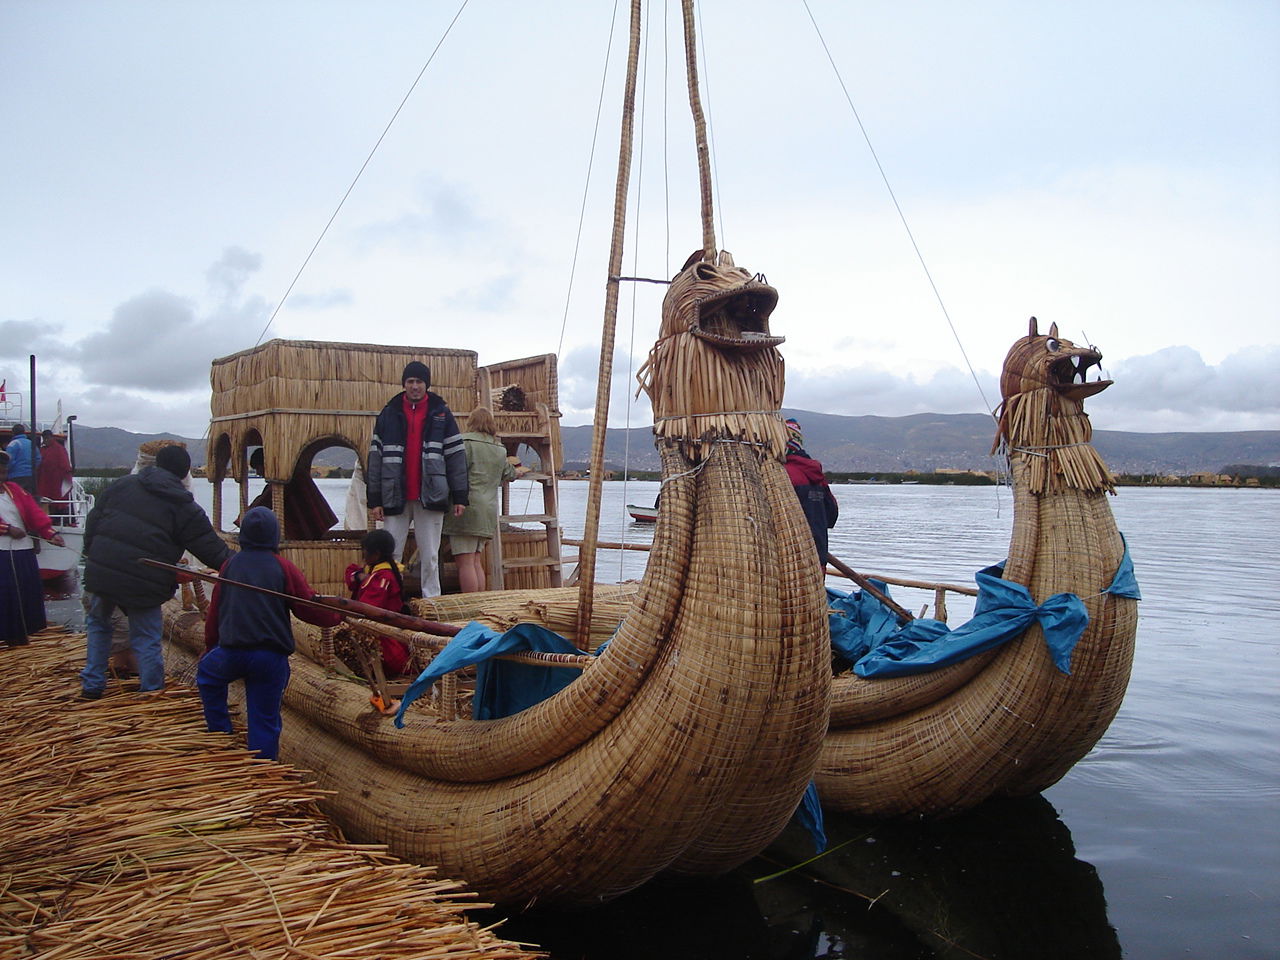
point(903, 614)
point(699, 131)
point(343, 605)
point(604, 382)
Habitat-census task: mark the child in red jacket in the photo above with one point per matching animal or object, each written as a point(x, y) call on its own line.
point(379, 583)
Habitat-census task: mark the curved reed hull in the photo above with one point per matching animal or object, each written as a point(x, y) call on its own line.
point(685, 747)
point(1007, 722)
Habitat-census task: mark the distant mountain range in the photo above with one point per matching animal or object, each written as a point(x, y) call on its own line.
point(932, 441)
point(922, 442)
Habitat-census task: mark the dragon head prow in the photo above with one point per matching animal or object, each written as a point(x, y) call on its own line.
point(1037, 361)
point(720, 303)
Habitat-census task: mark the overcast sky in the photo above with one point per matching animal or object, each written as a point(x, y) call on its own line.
point(1111, 166)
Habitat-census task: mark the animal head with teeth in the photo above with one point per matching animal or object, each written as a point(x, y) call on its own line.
point(1035, 362)
point(715, 371)
point(721, 304)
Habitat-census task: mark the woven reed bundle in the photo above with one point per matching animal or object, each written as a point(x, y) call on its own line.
point(129, 831)
point(508, 398)
point(534, 377)
point(698, 389)
point(553, 607)
point(314, 375)
point(1005, 722)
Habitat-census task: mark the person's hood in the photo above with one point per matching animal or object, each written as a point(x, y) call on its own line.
point(163, 484)
point(259, 530)
point(809, 468)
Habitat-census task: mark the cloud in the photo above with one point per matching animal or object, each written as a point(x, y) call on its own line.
point(489, 297)
point(1172, 389)
point(870, 389)
point(577, 373)
point(445, 212)
point(21, 338)
point(156, 341)
point(322, 301)
point(187, 416)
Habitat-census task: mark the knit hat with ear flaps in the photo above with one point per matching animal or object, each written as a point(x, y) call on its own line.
point(175, 459)
point(795, 437)
point(417, 370)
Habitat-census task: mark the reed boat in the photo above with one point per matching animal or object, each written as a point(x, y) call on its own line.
point(1008, 721)
point(683, 746)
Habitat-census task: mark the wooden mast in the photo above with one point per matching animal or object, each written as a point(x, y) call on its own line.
point(604, 382)
point(699, 132)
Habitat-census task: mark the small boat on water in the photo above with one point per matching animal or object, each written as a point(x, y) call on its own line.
point(642, 514)
point(68, 518)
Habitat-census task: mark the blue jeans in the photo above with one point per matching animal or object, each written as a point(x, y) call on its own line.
point(265, 674)
point(145, 626)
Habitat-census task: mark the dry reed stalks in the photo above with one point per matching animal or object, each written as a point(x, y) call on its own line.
point(131, 832)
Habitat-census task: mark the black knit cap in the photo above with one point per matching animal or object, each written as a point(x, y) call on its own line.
point(417, 370)
point(175, 459)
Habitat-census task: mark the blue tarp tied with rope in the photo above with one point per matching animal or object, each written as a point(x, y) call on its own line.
point(868, 635)
point(502, 687)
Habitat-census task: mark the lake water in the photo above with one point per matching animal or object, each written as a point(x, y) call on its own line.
point(1172, 817)
point(1161, 843)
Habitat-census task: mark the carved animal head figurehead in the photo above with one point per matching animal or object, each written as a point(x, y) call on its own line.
point(716, 371)
point(720, 303)
point(1037, 361)
point(1042, 421)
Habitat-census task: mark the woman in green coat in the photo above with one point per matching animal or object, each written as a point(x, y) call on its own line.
point(487, 468)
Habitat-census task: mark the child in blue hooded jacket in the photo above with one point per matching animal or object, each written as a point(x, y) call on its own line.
point(248, 635)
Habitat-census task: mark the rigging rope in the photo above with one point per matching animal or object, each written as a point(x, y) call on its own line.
point(586, 186)
point(892, 196)
point(381, 137)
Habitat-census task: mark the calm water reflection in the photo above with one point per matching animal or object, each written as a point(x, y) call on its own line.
point(999, 881)
point(1161, 843)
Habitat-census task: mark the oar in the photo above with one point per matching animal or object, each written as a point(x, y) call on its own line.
point(345, 606)
point(903, 614)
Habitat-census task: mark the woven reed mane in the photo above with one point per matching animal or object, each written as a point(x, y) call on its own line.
point(715, 372)
point(1042, 418)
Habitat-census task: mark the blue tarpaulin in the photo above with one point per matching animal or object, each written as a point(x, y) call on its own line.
point(502, 687)
point(868, 635)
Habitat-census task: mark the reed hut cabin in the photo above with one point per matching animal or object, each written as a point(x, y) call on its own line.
point(293, 399)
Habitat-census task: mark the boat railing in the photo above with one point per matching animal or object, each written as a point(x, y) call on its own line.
point(939, 589)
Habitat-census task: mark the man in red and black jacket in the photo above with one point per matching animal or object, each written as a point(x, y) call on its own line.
point(248, 636)
point(417, 470)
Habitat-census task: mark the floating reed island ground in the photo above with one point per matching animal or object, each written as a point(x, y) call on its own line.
point(131, 832)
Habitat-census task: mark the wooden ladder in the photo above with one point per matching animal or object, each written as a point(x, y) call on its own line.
point(539, 435)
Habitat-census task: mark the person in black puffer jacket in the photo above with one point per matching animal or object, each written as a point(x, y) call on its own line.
point(147, 514)
point(417, 470)
point(248, 635)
